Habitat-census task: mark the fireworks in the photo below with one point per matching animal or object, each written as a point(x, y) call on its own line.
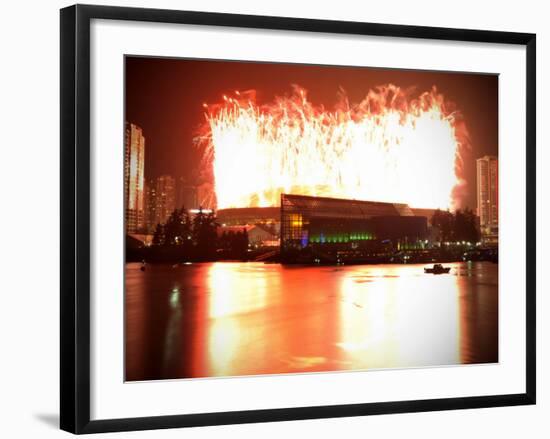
point(389, 147)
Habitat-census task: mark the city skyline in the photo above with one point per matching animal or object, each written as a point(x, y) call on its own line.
point(170, 192)
point(160, 197)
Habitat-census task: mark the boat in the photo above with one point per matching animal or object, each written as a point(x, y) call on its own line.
point(437, 269)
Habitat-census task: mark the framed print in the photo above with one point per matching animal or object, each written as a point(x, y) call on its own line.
point(268, 218)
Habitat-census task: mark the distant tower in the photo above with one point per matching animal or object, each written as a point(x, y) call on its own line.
point(134, 163)
point(187, 195)
point(164, 198)
point(150, 206)
point(487, 195)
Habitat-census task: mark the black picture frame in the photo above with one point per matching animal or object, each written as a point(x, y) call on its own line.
point(75, 217)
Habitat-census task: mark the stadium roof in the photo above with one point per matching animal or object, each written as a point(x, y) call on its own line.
point(248, 214)
point(336, 207)
point(428, 213)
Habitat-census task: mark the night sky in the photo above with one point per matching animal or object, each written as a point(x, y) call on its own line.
point(165, 98)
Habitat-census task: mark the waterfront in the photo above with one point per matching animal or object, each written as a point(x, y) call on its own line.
point(230, 319)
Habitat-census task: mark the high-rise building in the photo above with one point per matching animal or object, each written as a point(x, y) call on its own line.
point(150, 205)
point(134, 164)
point(186, 195)
point(161, 200)
point(487, 195)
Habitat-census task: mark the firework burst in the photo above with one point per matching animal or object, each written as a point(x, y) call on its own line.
point(390, 147)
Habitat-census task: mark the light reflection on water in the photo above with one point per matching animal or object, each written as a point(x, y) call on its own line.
point(227, 319)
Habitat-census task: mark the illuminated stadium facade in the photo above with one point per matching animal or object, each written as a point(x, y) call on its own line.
point(330, 229)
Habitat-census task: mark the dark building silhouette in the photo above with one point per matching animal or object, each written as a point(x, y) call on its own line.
point(186, 195)
point(160, 201)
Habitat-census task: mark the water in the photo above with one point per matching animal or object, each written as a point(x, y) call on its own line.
point(229, 319)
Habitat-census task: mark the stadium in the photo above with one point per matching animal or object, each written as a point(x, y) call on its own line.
point(322, 229)
point(339, 230)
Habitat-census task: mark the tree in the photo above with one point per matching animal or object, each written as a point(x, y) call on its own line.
point(473, 226)
point(158, 237)
point(204, 234)
point(178, 228)
point(466, 226)
point(443, 220)
point(460, 226)
point(234, 244)
point(239, 244)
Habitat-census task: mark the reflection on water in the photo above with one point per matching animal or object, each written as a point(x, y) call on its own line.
point(227, 319)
